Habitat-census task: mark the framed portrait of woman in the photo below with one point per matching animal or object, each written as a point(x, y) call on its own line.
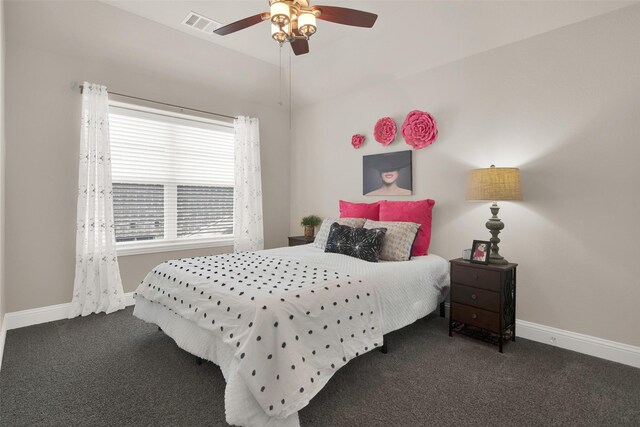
point(387, 174)
point(480, 251)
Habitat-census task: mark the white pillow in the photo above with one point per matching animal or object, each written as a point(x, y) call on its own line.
point(397, 243)
point(323, 234)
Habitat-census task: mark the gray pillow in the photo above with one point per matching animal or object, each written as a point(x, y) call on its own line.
point(398, 240)
point(323, 234)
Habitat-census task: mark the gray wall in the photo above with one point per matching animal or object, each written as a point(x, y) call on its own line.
point(43, 122)
point(564, 107)
point(2, 162)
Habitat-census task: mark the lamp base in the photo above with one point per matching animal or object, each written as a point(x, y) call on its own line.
point(497, 260)
point(495, 225)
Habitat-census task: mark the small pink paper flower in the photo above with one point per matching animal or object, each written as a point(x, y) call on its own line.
point(385, 131)
point(357, 140)
point(419, 129)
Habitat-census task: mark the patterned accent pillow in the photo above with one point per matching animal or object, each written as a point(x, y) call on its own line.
point(359, 243)
point(323, 234)
point(419, 211)
point(398, 239)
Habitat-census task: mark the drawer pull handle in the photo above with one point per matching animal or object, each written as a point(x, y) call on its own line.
point(475, 276)
point(474, 316)
point(473, 296)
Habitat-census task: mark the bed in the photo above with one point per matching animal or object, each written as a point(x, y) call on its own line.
point(281, 322)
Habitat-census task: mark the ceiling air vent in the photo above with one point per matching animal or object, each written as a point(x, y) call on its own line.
point(201, 23)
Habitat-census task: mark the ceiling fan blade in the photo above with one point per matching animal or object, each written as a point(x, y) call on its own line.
point(242, 24)
point(300, 46)
point(342, 15)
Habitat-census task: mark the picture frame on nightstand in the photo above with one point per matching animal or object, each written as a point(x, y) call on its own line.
point(480, 251)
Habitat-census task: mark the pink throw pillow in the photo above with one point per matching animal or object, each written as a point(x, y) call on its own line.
point(418, 212)
point(360, 210)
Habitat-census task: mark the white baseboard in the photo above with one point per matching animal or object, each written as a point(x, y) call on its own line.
point(593, 346)
point(128, 299)
point(3, 336)
point(586, 344)
point(36, 316)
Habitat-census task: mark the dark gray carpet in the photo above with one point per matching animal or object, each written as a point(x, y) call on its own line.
point(119, 371)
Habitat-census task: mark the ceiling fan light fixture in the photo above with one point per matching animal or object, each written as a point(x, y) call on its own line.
point(278, 33)
point(295, 21)
point(280, 13)
point(307, 24)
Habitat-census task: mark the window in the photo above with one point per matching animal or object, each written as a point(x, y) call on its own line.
point(173, 180)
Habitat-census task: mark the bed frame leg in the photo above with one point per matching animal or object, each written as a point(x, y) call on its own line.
point(384, 348)
point(442, 311)
point(198, 360)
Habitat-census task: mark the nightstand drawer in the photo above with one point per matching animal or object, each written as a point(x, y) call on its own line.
point(475, 297)
point(476, 277)
point(476, 317)
point(300, 240)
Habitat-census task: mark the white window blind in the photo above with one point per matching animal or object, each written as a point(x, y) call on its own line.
point(173, 178)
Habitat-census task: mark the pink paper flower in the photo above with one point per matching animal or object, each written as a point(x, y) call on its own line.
point(385, 131)
point(357, 140)
point(419, 129)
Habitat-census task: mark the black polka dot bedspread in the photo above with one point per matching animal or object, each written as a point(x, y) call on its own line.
point(291, 324)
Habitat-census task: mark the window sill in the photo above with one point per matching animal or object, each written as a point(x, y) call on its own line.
point(138, 248)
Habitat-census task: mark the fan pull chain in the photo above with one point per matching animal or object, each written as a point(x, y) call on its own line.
point(280, 79)
point(290, 78)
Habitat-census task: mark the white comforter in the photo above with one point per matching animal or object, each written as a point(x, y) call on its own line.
point(281, 322)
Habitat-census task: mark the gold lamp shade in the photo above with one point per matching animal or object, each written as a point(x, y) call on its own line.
point(494, 184)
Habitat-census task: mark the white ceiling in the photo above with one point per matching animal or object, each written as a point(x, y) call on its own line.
point(409, 36)
point(114, 41)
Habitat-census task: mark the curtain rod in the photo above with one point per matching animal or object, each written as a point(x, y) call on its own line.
point(166, 104)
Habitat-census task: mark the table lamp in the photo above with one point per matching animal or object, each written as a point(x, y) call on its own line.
point(494, 184)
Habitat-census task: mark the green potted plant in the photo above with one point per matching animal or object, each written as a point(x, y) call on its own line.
point(310, 222)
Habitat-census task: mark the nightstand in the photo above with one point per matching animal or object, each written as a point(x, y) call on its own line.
point(300, 240)
point(483, 301)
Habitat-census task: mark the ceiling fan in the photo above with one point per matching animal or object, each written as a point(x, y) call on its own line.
point(294, 21)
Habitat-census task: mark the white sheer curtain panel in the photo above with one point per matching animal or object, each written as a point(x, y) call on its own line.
point(97, 286)
point(247, 207)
